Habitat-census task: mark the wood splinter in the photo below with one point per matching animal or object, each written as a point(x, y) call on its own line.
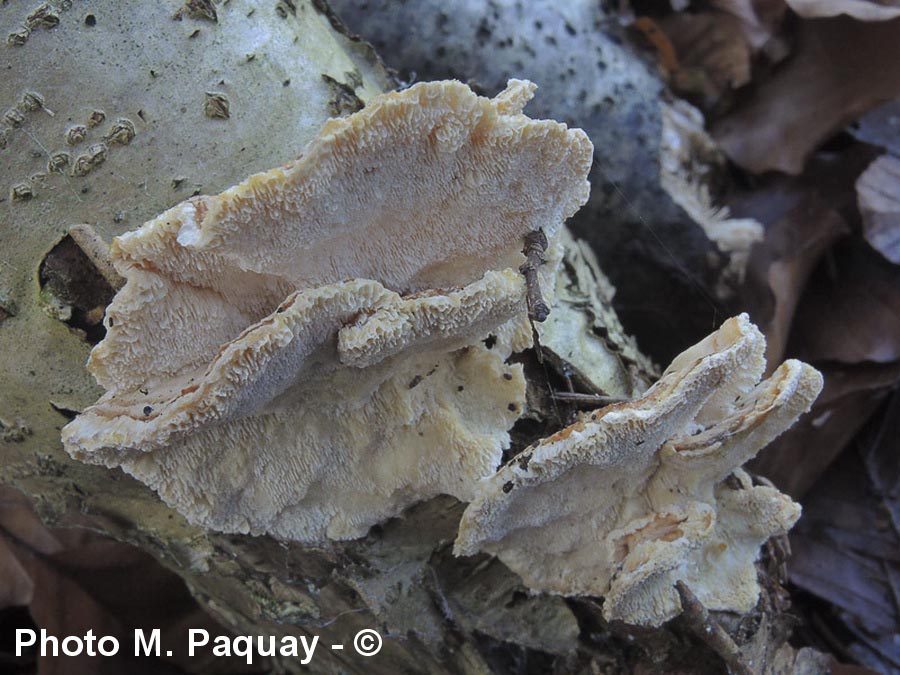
point(587, 400)
point(535, 246)
point(710, 632)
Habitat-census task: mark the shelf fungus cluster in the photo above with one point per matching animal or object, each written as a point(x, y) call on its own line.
point(641, 495)
point(304, 354)
point(307, 354)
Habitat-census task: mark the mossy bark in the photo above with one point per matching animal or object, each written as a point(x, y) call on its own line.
point(115, 112)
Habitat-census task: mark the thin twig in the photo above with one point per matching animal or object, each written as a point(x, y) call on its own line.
point(710, 632)
point(535, 246)
point(587, 400)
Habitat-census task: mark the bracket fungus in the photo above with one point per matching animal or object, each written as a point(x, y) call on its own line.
point(301, 355)
point(634, 497)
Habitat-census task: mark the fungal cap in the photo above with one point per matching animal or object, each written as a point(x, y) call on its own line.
point(633, 498)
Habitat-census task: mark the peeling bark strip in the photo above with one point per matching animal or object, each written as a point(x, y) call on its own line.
point(535, 246)
point(216, 105)
point(197, 9)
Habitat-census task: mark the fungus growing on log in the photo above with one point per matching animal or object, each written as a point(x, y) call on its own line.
point(301, 355)
point(634, 497)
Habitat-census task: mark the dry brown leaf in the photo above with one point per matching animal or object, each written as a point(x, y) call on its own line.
point(878, 190)
point(841, 576)
point(114, 588)
point(74, 580)
point(713, 55)
point(828, 180)
point(796, 460)
point(840, 69)
point(881, 463)
point(760, 19)
point(850, 312)
point(845, 549)
point(779, 268)
point(19, 522)
point(850, 669)
point(864, 10)
point(880, 127)
point(63, 607)
point(16, 586)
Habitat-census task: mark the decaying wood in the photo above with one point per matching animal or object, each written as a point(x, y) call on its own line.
point(697, 617)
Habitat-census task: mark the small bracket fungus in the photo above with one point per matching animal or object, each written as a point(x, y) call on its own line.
point(633, 498)
point(301, 355)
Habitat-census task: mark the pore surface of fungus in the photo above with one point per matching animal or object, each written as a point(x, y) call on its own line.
point(301, 355)
point(634, 497)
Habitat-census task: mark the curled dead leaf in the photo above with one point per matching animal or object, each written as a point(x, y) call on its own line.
point(878, 191)
point(840, 69)
point(864, 10)
point(850, 312)
point(73, 580)
point(713, 55)
point(760, 21)
point(850, 396)
point(779, 268)
point(881, 127)
point(845, 547)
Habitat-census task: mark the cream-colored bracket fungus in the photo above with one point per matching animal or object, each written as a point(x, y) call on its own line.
point(302, 354)
point(643, 494)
